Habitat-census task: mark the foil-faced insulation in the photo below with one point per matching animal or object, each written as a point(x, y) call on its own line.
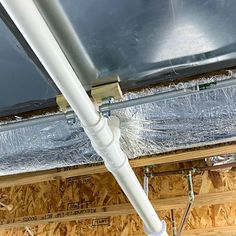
point(202, 118)
point(221, 160)
point(205, 117)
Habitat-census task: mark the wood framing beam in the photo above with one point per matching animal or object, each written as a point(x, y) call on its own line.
point(186, 155)
point(216, 231)
point(178, 156)
point(114, 210)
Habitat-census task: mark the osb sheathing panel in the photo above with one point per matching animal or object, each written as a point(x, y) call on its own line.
point(121, 225)
point(209, 216)
point(102, 189)
point(114, 226)
point(203, 217)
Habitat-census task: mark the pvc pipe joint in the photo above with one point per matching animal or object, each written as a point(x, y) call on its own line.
point(160, 233)
point(105, 142)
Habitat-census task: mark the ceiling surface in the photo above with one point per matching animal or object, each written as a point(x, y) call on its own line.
point(144, 42)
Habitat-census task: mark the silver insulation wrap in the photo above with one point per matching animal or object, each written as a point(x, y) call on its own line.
point(221, 160)
point(206, 117)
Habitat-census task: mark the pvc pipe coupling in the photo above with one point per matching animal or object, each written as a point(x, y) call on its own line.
point(160, 233)
point(105, 136)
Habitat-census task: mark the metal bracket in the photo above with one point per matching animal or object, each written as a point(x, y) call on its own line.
point(70, 116)
point(107, 100)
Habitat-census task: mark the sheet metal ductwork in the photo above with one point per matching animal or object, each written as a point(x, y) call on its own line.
point(143, 42)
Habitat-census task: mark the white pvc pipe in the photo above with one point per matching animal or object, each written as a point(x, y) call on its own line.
point(104, 134)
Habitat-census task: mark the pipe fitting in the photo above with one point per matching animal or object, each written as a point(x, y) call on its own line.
point(104, 136)
point(162, 232)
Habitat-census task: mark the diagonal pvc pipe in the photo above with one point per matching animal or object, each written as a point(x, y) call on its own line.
point(104, 134)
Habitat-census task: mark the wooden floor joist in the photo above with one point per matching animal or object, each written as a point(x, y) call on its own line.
point(178, 156)
point(214, 231)
point(114, 210)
